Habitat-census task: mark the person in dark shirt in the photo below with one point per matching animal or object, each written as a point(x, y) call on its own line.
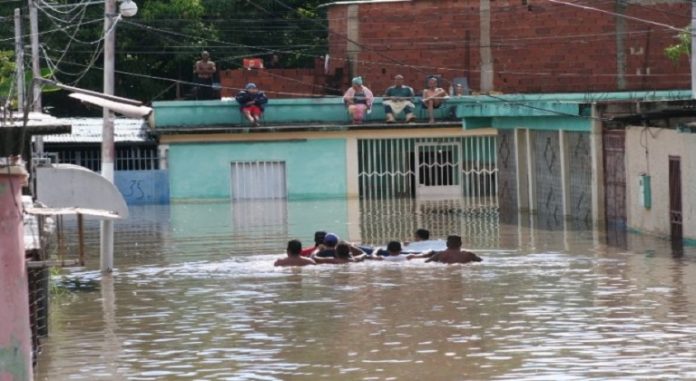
point(252, 102)
point(318, 241)
point(399, 98)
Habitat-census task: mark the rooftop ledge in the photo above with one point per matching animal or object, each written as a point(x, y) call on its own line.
point(329, 113)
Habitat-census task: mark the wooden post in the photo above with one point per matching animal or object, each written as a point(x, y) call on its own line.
point(15, 331)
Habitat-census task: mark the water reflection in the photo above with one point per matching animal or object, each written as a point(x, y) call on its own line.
point(195, 297)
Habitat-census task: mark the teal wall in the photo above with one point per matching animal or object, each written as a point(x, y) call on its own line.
point(314, 168)
point(331, 110)
point(551, 123)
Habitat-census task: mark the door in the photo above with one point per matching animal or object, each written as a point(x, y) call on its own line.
point(258, 180)
point(675, 198)
point(438, 169)
point(615, 187)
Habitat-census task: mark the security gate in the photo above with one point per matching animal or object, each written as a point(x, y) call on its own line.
point(258, 180)
point(438, 169)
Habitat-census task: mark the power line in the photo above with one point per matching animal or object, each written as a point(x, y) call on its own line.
point(588, 8)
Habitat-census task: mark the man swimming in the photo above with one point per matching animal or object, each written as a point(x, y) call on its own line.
point(294, 258)
point(453, 253)
point(394, 253)
point(343, 256)
point(318, 241)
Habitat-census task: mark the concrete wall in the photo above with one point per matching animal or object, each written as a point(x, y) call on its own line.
point(143, 187)
point(314, 168)
point(659, 145)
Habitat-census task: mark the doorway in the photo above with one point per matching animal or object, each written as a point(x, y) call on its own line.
point(675, 198)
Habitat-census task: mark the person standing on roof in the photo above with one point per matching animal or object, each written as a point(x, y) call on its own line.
point(204, 72)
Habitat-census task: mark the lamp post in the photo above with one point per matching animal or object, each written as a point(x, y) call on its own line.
point(128, 9)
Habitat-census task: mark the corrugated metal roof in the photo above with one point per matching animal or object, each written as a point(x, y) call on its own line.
point(89, 130)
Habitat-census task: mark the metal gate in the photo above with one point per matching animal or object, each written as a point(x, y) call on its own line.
point(424, 167)
point(675, 198)
point(438, 167)
point(258, 180)
point(615, 178)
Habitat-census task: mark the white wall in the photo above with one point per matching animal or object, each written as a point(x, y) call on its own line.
point(660, 144)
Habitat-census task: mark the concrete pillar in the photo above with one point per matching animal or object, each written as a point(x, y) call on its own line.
point(565, 172)
point(485, 46)
point(597, 159)
point(521, 172)
point(352, 171)
point(531, 171)
point(15, 333)
point(353, 38)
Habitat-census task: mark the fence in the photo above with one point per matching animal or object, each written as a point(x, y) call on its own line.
point(444, 167)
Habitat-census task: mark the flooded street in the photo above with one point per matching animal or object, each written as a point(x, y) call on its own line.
point(196, 297)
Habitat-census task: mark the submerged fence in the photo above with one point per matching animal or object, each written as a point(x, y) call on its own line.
point(440, 167)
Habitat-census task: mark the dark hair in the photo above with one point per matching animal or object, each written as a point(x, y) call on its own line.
point(342, 250)
point(394, 246)
point(294, 247)
point(454, 242)
point(319, 237)
point(423, 234)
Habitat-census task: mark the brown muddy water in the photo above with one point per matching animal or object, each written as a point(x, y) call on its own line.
point(196, 297)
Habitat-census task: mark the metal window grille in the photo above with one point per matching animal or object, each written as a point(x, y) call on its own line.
point(258, 180)
point(137, 158)
point(391, 168)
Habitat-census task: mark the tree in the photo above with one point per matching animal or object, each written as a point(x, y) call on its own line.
point(682, 47)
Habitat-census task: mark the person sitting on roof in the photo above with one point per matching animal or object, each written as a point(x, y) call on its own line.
point(433, 97)
point(359, 99)
point(399, 98)
point(251, 102)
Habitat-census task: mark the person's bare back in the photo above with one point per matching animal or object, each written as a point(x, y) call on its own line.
point(294, 261)
point(450, 256)
point(294, 258)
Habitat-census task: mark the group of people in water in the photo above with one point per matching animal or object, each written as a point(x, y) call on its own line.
point(330, 249)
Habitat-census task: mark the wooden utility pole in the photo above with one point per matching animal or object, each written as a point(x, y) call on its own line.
point(485, 46)
point(107, 163)
point(35, 67)
point(19, 60)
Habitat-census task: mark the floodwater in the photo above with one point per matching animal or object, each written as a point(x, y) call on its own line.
point(196, 297)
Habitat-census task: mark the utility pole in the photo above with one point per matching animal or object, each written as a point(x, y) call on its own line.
point(693, 49)
point(35, 98)
point(107, 162)
point(486, 64)
point(19, 59)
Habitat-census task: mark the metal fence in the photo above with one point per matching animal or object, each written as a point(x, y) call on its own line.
point(457, 167)
point(132, 158)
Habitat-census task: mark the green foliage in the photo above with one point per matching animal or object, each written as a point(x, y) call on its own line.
point(7, 72)
point(681, 48)
point(166, 37)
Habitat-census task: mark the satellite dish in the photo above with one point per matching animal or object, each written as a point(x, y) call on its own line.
point(128, 8)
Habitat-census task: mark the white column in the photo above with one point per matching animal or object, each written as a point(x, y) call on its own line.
point(565, 172)
point(107, 164)
point(531, 173)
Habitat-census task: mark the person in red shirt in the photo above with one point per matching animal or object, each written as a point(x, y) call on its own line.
point(318, 240)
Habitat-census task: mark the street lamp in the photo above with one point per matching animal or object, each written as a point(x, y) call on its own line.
point(128, 9)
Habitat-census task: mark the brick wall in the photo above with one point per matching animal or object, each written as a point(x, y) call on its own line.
point(276, 83)
point(539, 47)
